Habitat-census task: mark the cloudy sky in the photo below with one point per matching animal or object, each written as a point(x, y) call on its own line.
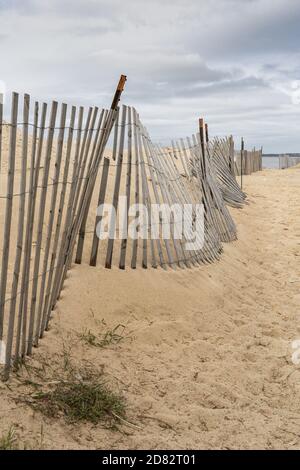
point(235, 62)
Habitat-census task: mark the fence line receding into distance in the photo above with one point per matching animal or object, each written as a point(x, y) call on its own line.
point(287, 161)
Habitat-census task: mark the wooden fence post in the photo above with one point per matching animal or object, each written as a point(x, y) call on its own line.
point(242, 160)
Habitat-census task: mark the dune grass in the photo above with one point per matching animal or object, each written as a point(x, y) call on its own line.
point(77, 401)
point(110, 337)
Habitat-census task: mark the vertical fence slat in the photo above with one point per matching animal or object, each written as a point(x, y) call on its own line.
point(116, 136)
point(20, 237)
point(138, 149)
point(28, 232)
point(1, 127)
point(9, 206)
point(128, 185)
point(136, 190)
point(35, 164)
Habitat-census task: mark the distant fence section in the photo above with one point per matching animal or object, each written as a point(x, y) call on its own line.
point(58, 165)
point(287, 161)
point(247, 162)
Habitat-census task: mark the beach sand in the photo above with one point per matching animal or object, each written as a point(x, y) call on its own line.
point(206, 358)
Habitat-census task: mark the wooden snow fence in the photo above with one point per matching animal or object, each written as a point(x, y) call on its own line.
point(62, 168)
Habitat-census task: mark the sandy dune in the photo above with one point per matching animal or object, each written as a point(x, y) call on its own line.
point(207, 357)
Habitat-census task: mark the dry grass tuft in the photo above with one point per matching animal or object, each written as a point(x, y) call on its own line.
point(79, 400)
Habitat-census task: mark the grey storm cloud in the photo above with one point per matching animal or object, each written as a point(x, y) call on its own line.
point(236, 62)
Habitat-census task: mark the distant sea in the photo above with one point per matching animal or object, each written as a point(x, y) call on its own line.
point(270, 162)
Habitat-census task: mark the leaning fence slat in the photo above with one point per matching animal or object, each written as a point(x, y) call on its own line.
point(87, 168)
point(112, 222)
point(40, 227)
point(85, 151)
point(58, 223)
point(174, 176)
point(185, 157)
point(156, 196)
point(156, 156)
point(81, 166)
point(50, 222)
point(186, 196)
point(101, 200)
point(9, 206)
point(177, 150)
point(68, 219)
point(146, 198)
point(82, 229)
point(180, 195)
point(156, 181)
point(170, 181)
